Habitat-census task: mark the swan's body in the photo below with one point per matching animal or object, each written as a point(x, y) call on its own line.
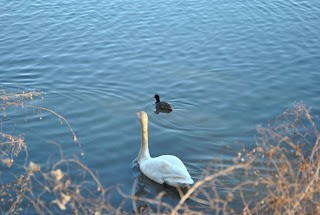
point(162, 106)
point(163, 169)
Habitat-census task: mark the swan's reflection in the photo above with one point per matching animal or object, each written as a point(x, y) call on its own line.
point(148, 189)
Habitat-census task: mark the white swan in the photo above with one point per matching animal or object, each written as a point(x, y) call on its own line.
point(165, 168)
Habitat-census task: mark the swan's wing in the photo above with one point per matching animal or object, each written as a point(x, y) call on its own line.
point(177, 173)
point(173, 161)
point(166, 168)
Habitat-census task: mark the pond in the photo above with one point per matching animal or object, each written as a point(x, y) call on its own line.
point(224, 66)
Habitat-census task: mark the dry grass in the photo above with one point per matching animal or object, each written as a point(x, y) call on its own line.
point(279, 176)
point(11, 146)
point(291, 152)
point(49, 191)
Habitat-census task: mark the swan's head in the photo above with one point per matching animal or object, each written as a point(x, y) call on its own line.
point(142, 116)
point(157, 97)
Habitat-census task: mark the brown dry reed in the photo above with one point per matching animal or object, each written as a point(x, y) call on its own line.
point(45, 191)
point(278, 176)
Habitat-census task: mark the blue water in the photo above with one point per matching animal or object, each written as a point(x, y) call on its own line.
point(224, 66)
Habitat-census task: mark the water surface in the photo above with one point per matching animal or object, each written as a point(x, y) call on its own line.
point(224, 67)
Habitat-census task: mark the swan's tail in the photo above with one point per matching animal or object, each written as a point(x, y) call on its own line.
point(179, 182)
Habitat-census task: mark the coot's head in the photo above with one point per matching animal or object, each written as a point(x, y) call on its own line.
point(157, 97)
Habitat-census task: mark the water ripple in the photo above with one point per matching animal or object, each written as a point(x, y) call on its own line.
point(223, 66)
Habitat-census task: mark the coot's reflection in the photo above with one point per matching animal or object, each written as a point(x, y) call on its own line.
point(162, 111)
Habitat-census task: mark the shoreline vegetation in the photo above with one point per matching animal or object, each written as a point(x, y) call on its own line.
point(280, 175)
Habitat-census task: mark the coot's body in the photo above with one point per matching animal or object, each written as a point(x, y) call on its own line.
point(162, 106)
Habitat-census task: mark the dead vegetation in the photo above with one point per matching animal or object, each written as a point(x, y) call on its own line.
point(47, 191)
point(290, 175)
point(278, 176)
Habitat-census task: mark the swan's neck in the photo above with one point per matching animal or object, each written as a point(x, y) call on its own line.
point(144, 150)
